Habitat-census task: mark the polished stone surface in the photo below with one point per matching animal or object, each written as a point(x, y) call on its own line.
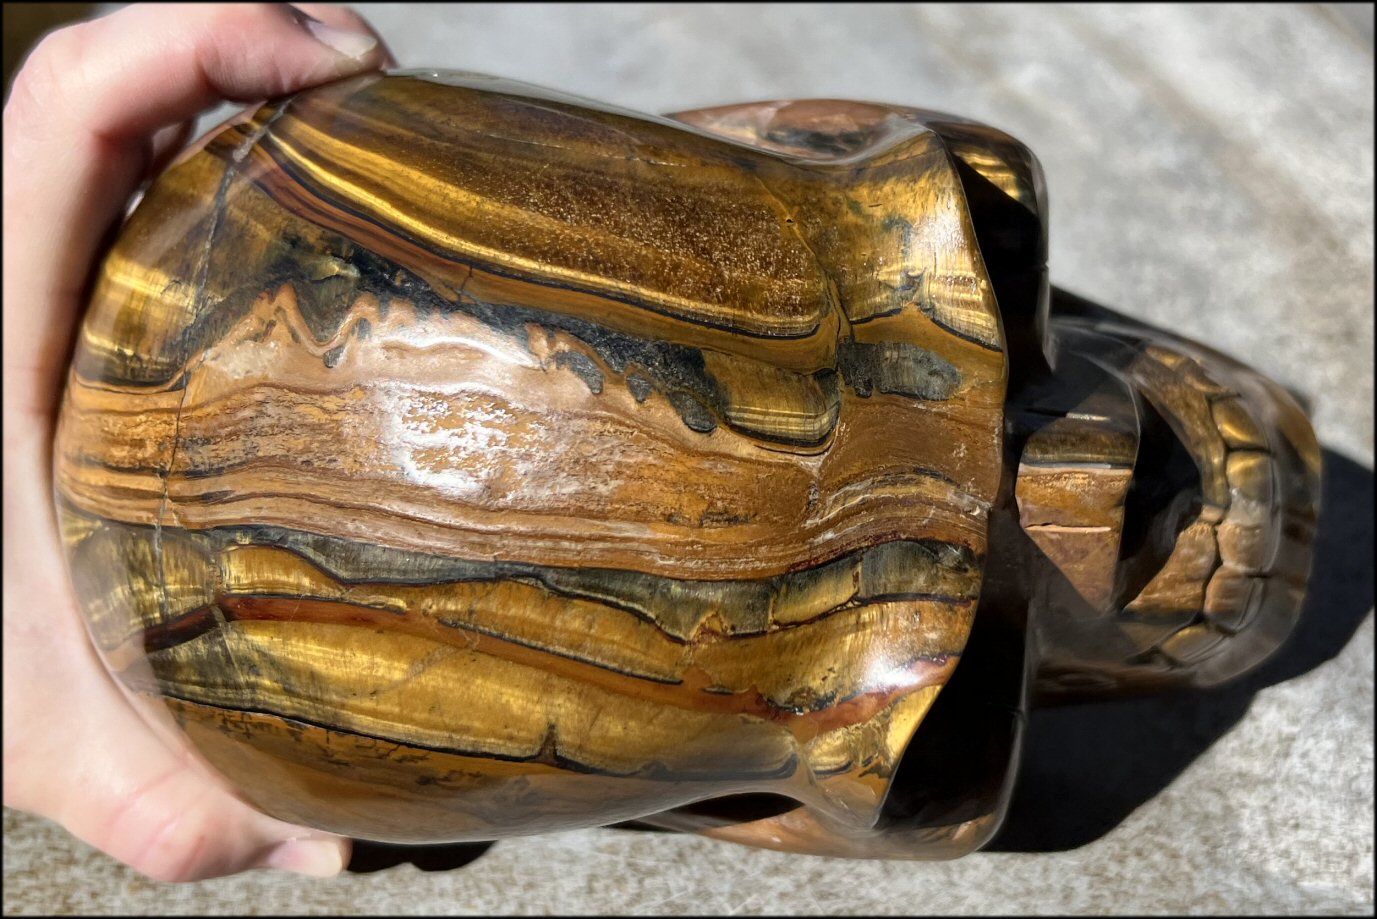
point(1211, 172)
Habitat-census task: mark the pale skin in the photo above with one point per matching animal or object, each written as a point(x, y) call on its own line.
point(96, 110)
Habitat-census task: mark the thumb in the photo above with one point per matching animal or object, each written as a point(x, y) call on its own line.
point(113, 770)
point(79, 134)
point(79, 128)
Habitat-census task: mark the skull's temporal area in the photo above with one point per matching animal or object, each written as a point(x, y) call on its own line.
point(452, 459)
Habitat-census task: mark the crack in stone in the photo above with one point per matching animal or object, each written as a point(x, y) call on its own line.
point(203, 276)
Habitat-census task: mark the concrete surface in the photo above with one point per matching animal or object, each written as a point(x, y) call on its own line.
point(1211, 171)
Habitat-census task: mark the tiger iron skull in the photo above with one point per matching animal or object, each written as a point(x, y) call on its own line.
point(447, 459)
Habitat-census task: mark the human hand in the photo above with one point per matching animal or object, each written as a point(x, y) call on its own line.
point(97, 109)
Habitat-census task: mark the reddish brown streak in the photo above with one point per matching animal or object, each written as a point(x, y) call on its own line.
point(691, 693)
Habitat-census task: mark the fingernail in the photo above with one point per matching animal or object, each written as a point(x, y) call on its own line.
point(346, 41)
point(317, 858)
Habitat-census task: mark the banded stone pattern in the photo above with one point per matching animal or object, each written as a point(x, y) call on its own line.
point(456, 459)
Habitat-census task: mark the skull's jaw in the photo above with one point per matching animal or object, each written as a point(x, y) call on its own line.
point(951, 790)
point(1208, 488)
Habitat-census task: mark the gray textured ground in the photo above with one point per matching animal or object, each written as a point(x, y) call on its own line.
point(1211, 171)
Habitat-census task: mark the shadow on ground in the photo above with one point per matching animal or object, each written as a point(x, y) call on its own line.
point(376, 856)
point(1087, 767)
